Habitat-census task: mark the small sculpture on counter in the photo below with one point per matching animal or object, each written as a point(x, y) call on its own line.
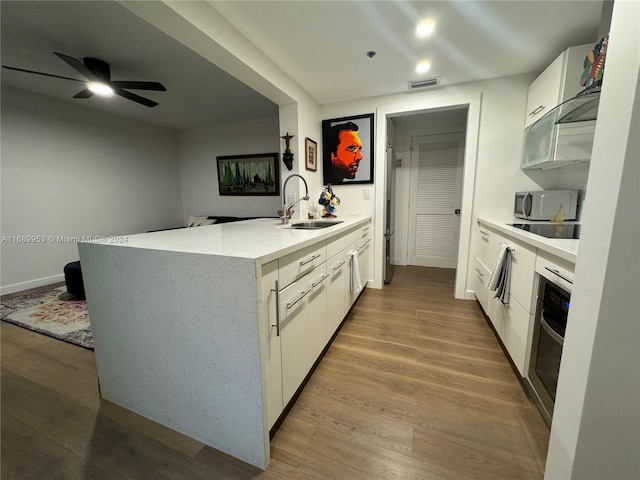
point(329, 202)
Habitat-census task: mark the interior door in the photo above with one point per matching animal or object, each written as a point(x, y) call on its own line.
point(435, 199)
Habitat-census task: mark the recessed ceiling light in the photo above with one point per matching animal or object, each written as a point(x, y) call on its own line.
point(100, 89)
point(423, 67)
point(425, 28)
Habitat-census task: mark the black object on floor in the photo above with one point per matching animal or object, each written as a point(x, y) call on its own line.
point(73, 279)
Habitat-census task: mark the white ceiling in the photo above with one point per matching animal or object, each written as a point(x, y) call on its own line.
point(321, 45)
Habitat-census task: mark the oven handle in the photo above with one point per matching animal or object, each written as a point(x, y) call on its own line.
point(552, 333)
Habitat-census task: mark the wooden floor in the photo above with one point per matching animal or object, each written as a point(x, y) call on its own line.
point(415, 386)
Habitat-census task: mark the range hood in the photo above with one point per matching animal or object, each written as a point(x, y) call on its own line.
point(581, 108)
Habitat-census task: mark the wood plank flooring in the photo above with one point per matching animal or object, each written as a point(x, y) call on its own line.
point(415, 386)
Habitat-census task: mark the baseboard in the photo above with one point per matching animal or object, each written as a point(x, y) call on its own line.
point(469, 295)
point(40, 282)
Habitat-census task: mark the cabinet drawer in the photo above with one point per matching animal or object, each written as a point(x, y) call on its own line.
point(522, 267)
point(488, 246)
point(516, 330)
point(559, 270)
point(336, 245)
point(298, 264)
point(481, 277)
point(522, 274)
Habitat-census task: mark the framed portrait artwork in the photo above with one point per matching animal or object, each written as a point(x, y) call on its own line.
point(311, 154)
point(248, 175)
point(347, 150)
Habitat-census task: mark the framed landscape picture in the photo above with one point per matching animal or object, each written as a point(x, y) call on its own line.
point(347, 150)
point(247, 175)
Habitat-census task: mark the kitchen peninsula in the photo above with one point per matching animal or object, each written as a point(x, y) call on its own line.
point(211, 330)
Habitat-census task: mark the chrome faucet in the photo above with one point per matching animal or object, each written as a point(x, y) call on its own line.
point(285, 213)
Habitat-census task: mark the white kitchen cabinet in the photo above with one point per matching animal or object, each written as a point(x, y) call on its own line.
point(481, 278)
point(513, 323)
point(273, 353)
point(522, 266)
point(317, 312)
point(338, 294)
point(514, 326)
point(364, 251)
point(303, 328)
point(560, 81)
point(294, 336)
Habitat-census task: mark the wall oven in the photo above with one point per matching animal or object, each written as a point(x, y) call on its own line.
point(552, 309)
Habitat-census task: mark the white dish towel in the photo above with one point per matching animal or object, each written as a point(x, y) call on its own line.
point(500, 279)
point(356, 283)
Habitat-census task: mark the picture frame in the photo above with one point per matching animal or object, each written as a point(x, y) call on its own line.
point(311, 154)
point(255, 174)
point(340, 151)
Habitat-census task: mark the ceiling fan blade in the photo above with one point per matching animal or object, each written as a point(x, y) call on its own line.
point(78, 65)
point(136, 98)
point(86, 93)
point(139, 85)
point(42, 73)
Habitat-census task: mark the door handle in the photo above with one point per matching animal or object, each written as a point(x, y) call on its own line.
point(277, 325)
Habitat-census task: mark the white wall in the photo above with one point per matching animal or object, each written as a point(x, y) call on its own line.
point(595, 433)
point(70, 171)
point(498, 149)
point(197, 152)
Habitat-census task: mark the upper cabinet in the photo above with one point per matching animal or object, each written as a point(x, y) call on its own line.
point(559, 82)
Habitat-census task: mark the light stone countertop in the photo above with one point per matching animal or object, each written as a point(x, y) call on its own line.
point(564, 248)
point(262, 239)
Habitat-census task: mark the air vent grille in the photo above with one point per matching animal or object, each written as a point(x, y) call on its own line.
point(426, 83)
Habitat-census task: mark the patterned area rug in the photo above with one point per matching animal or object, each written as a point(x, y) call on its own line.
point(54, 313)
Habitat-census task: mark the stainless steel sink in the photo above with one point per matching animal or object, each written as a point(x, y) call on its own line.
point(315, 225)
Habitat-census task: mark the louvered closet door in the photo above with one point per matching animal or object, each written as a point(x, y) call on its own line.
point(436, 177)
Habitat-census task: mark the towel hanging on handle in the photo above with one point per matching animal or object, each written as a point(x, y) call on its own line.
point(497, 267)
point(356, 283)
point(503, 290)
point(500, 279)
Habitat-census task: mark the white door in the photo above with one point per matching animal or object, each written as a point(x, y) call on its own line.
point(435, 199)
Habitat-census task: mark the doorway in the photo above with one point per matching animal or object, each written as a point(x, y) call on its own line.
point(434, 199)
point(429, 115)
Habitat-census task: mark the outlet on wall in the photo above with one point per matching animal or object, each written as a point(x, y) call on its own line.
point(291, 198)
point(366, 193)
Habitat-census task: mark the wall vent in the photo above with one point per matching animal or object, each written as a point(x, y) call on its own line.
point(426, 83)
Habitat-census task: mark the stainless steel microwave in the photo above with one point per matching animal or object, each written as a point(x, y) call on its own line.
point(545, 204)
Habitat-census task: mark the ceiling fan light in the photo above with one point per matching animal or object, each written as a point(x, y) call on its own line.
point(100, 89)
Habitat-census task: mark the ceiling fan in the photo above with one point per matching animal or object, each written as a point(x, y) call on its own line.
point(99, 80)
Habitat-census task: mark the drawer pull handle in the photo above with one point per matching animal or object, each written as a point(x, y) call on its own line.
point(480, 273)
point(482, 232)
point(310, 260)
point(339, 265)
point(314, 285)
point(363, 245)
point(557, 272)
point(304, 294)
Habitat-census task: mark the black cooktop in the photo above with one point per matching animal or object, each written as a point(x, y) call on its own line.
point(550, 230)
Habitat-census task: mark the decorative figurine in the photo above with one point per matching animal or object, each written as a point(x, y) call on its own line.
point(329, 202)
point(287, 156)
